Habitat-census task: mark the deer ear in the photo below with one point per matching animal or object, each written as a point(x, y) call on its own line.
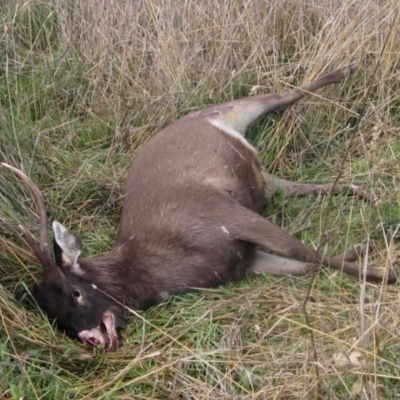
point(67, 248)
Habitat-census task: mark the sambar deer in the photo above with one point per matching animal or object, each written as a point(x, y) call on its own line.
point(190, 219)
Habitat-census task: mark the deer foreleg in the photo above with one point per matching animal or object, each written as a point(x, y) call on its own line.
point(244, 224)
point(276, 265)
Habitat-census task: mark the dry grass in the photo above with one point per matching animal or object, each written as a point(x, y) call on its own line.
point(83, 84)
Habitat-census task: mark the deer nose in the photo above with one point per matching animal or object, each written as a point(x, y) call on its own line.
point(93, 342)
point(93, 338)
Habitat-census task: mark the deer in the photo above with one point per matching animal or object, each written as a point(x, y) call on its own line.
point(191, 219)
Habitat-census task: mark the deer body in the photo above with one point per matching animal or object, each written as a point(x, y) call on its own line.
point(178, 241)
point(190, 219)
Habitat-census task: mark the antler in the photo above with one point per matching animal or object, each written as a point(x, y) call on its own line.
point(42, 252)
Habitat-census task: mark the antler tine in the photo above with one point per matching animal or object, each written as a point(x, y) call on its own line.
point(42, 253)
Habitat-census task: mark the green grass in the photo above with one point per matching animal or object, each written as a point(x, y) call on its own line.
point(84, 85)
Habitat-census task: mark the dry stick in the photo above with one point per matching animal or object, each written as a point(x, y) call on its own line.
point(355, 129)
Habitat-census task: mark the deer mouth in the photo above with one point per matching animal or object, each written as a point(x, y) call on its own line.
point(102, 337)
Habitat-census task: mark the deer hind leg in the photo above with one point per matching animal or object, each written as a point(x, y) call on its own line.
point(295, 189)
point(275, 265)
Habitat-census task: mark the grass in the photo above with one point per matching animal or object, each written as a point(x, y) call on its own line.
point(83, 85)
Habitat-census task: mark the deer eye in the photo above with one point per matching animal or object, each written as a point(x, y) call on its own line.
point(78, 296)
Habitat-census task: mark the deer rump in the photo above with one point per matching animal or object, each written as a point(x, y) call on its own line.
point(190, 219)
